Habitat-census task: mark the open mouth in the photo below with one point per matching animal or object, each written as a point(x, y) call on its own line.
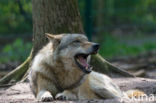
point(81, 61)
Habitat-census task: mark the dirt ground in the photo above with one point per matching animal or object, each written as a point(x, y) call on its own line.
point(20, 93)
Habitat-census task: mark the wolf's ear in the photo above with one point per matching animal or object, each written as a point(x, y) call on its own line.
point(50, 36)
point(53, 37)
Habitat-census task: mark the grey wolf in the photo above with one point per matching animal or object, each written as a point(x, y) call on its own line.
point(61, 70)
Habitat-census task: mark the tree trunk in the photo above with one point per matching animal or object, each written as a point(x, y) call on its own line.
point(57, 16)
point(54, 16)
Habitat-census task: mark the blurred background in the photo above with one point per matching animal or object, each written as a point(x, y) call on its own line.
point(126, 30)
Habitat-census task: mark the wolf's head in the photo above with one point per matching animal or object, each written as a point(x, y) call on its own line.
point(73, 50)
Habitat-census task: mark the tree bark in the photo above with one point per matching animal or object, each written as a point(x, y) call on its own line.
point(56, 16)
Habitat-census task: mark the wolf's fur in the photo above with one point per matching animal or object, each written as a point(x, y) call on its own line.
point(54, 72)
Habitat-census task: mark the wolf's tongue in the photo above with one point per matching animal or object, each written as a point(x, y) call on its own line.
point(83, 61)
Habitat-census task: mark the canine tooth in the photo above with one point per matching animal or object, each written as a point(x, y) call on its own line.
point(78, 60)
point(91, 68)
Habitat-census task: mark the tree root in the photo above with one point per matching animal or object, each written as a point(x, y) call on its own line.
point(101, 65)
point(17, 73)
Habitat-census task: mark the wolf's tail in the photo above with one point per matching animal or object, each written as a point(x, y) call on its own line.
point(135, 93)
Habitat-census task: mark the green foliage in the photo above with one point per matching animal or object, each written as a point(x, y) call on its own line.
point(12, 20)
point(150, 46)
point(111, 47)
point(18, 51)
point(138, 14)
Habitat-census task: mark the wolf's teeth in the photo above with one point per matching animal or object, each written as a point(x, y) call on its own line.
point(78, 60)
point(91, 68)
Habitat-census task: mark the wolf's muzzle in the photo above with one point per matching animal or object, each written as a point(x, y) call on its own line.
point(81, 58)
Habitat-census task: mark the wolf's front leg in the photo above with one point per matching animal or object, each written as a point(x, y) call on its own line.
point(66, 95)
point(44, 96)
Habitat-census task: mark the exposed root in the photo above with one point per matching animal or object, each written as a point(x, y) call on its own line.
point(17, 73)
point(101, 65)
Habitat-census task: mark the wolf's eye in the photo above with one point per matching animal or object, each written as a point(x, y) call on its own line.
point(77, 41)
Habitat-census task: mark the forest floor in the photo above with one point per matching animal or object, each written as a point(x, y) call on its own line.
point(21, 93)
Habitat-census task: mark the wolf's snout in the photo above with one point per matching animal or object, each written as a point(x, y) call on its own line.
point(96, 47)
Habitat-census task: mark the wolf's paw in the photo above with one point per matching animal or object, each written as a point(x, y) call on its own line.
point(61, 96)
point(45, 96)
point(66, 95)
